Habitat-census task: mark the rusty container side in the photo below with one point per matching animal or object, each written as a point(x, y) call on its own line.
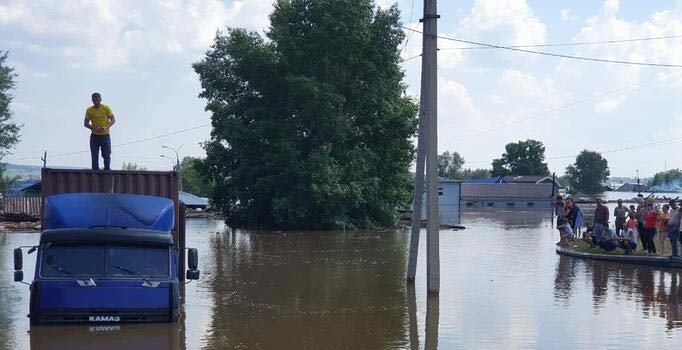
point(153, 183)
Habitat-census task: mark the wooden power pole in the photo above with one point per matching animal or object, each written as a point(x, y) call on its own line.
point(418, 180)
point(427, 145)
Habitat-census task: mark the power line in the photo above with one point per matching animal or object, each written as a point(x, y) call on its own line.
point(410, 58)
point(571, 104)
point(567, 44)
point(409, 35)
point(555, 54)
point(66, 154)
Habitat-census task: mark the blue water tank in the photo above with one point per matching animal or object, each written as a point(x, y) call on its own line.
point(83, 210)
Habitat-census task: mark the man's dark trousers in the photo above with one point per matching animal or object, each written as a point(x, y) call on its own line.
point(102, 142)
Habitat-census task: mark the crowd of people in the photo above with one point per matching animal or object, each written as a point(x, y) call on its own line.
point(635, 226)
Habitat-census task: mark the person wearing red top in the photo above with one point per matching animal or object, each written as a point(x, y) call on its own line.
point(649, 216)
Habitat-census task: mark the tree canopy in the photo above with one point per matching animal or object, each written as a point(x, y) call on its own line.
point(9, 130)
point(588, 173)
point(193, 179)
point(521, 158)
point(311, 128)
point(132, 166)
point(671, 179)
point(451, 166)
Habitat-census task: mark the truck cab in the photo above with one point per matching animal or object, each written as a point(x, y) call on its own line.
point(105, 258)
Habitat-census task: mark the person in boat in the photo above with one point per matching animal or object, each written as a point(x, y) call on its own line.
point(601, 218)
point(628, 241)
point(662, 225)
point(620, 213)
point(673, 228)
point(560, 206)
point(565, 234)
point(607, 240)
point(588, 236)
point(568, 211)
point(649, 216)
point(579, 221)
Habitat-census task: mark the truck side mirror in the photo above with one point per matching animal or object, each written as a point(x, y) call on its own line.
point(18, 259)
point(18, 276)
point(192, 258)
point(192, 275)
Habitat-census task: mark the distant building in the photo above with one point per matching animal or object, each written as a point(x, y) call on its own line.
point(24, 188)
point(531, 179)
point(193, 202)
point(448, 202)
point(629, 187)
point(507, 195)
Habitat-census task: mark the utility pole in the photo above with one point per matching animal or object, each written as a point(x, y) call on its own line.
point(429, 58)
point(418, 179)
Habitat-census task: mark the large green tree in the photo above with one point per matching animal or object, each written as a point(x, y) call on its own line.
point(588, 173)
point(9, 130)
point(311, 127)
point(521, 158)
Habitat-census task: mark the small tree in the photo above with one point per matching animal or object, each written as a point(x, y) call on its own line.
point(132, 166)
point(193, 179)
point(9, 131)
point(473, 174)
point(588, 172)
point(521, 158)
point(450, 165)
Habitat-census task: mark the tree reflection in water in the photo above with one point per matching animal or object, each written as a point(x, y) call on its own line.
point(657, 292)
point(308, 290)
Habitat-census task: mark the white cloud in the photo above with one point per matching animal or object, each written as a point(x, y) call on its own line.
point(510, 21)
point(606, 25)
point(457, 113)
point(566, 15)
point(113, 34)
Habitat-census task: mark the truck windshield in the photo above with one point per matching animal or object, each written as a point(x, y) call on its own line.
point(131, 261)
point(73, 261)
point(110, 261)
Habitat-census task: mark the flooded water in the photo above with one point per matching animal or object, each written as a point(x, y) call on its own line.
point(502, 286)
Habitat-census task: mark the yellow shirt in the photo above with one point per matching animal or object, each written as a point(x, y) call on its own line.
point(99, 117)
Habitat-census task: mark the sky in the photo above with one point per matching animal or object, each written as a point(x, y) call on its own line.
point(138, 55)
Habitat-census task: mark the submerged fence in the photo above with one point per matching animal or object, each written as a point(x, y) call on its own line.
point(29, 206)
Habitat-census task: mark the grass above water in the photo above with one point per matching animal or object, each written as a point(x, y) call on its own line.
point(663, 249)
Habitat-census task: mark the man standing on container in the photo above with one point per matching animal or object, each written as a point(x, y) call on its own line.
point(99, 118)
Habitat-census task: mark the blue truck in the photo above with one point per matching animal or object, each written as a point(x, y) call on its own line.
point(105, 258)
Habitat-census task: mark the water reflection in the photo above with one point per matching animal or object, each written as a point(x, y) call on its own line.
point(315, 290)
point(432, 319)
point(657, 292)
point(507, 219)
point(412, 317)
point(104, 337)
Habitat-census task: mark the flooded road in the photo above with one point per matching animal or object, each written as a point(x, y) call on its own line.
point(502, 286)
